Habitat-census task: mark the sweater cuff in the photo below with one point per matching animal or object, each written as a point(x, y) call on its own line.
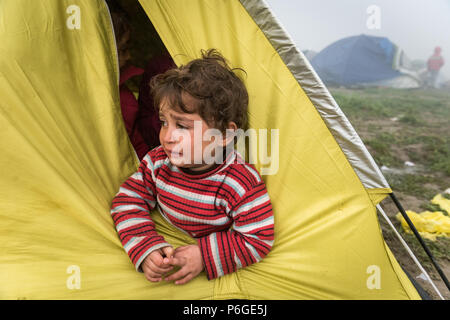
point(214, 249)
point(208, 260)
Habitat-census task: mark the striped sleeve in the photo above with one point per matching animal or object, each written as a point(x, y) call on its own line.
point(130, 212)
point(248, 240)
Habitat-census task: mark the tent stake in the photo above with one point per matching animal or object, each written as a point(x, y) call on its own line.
point(416, 233)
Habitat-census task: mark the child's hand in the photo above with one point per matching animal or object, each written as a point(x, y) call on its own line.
point(189, 258)
point(156, 264)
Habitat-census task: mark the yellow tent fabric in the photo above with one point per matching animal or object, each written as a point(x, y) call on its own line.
point(378, 194)
point(65, 152)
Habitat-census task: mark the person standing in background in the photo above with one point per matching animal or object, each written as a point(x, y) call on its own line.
point(434, 64)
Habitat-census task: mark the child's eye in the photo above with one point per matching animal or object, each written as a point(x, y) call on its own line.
point(180, 126)
point(163, 122)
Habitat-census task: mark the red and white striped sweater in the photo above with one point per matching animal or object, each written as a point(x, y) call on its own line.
point(227, 209)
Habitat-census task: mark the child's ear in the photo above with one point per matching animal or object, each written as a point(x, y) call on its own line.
point(228, 138)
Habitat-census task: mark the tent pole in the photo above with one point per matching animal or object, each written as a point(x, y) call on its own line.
point(408, 249)
point(416, 233)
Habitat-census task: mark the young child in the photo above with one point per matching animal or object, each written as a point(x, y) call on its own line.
point(224, 205)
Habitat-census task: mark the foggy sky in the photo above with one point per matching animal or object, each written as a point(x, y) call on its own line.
point(416, 26)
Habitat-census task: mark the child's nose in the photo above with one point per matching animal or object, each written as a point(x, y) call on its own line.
point(170, 135)
point(166, 135)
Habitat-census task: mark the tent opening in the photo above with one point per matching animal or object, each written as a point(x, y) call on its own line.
point(141, 55)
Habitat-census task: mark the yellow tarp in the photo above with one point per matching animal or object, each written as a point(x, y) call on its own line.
point(442, 202)
point(429, 224)
point(65, 152)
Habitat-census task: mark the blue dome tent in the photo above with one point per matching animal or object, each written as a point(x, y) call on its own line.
point(364, 60)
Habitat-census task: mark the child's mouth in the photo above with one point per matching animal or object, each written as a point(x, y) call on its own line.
point(175, 154)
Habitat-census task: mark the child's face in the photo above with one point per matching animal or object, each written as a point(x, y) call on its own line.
point(183, 135)
point(122, 46)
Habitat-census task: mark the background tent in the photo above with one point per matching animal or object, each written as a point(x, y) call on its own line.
point(365, 60)
point(65, 152)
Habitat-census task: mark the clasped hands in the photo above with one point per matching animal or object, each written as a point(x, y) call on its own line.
point(161, 261)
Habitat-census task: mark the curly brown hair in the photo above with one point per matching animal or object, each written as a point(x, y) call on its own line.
point(220, 96)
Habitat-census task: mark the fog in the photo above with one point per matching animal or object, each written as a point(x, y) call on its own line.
point(416, 26)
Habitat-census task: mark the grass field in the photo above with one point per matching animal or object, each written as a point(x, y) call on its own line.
point(412, 127)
